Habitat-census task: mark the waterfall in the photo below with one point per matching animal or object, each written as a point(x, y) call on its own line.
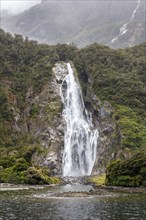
point(80, 138)
point(124, 28)
point(135, 10)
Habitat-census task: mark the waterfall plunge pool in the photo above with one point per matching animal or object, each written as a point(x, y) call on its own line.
point(41, 204)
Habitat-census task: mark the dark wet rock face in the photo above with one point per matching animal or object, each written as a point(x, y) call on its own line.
point(41, 119)
point(106, 124)
point(48, 128)
point(106, 127)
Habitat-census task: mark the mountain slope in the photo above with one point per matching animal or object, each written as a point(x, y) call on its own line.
point(82, 22)
point(31, 125)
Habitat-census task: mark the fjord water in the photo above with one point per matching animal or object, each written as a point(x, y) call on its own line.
point(40, 204)
point(80, 138)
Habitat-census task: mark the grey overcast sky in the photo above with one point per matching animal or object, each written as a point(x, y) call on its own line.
point(17, 6)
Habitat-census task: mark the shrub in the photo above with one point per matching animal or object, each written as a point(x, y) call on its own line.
point(37, 175)
point(9, 175)
point(131, 172)
point(20, 165)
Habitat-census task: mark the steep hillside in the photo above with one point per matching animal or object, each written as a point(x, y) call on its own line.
point(30, 111)
point(31, 124)
point(114, 23)
point(117, 76)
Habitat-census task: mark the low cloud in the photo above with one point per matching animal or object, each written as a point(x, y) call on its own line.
point(17, 6)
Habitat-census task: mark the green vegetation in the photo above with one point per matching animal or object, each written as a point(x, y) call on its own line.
point(132, 127)
point(16, 167)
point(130, 173)
point(116, 76)
point(24, 66)
point(97, 180)
point(21, 173)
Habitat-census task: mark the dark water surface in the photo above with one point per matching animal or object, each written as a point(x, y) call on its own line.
point(40, 204)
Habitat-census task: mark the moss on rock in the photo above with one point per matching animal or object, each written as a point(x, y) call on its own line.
point(97, 180)
point(129, 173)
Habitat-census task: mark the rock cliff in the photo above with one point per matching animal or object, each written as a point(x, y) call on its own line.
point(31, 122)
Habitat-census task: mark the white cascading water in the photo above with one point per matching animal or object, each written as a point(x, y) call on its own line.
point(80, 139)
point(135, 10)
point(124, 28)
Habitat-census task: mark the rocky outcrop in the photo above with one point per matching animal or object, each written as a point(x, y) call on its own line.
point(48, 127)
point(108, 146)
point(104, 121)
point(106, 124)
point(41, 120)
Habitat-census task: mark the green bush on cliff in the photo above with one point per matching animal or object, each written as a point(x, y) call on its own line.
point(36, 175)
point(15, 173)
point(23, 173)
point(9, 175)
point(132, 128)
point(97, 180)
point(130, 173)
point(16, 167)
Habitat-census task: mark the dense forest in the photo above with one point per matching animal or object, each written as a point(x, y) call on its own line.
point(117, 76)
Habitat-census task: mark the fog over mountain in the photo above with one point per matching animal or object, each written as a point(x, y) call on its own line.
point(17, 6)
point(113, 23)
